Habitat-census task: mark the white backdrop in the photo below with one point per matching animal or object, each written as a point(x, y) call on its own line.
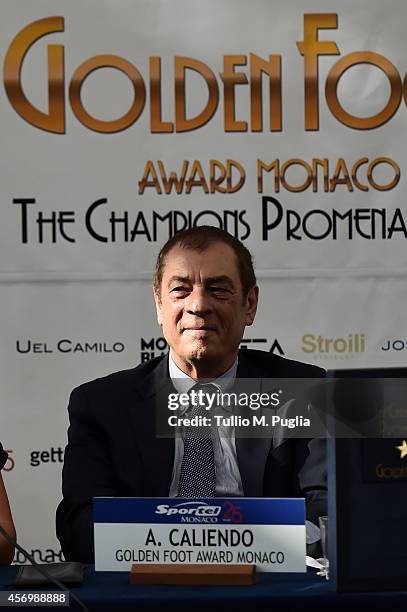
point(75, 310)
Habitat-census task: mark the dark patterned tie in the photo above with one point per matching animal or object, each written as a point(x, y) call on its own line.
point(198, 474)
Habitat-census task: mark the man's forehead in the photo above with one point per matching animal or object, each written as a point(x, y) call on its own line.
point(217, 259)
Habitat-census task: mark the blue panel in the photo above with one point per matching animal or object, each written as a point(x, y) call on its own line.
point(238, 510)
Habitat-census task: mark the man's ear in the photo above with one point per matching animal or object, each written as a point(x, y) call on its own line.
point(252, 300)
point(158, 306)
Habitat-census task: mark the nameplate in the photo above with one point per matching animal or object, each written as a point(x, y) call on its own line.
point(267, 533)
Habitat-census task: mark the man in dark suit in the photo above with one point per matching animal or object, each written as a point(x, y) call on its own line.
point(205, 293)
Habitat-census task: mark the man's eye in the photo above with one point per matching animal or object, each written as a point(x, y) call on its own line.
point(180, 289)
point(219, 290)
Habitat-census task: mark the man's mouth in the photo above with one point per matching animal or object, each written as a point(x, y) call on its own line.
point(199, 329)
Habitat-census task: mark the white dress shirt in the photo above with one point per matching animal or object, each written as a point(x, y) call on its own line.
point(228, 480)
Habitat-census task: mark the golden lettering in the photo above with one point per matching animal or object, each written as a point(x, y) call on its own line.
point(196, 171)
point(149, 179)
point(78, 79)
point(267, 69)
point(341, 168)
point(340, 175)
point(216, 181)
point(258, 67)
point(383, 160)
point(310, 48)
point(231, 78)
point(362, 161)
point(286, 166)
point(275, 166)
point(173, 177)
point(157, 125)
point(324, 164)
point(332, 82)
point(230, 164)
point(181, 122)
point(54, 121)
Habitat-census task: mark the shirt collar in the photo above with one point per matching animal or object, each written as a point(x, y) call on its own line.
point(183, 383)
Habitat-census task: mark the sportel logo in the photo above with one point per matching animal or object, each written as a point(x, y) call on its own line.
point(202, 512)
point(189, 508)
point(340, 347)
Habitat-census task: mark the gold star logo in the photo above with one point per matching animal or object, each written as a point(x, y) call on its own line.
point(403, 449)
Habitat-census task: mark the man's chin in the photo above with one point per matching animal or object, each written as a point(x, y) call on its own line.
point(201, 354)
point(201, 350)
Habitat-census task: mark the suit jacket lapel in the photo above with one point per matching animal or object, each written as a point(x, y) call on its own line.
point(157, 453)
point(252, 452)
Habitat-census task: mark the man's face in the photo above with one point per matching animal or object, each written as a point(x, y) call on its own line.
point(202, 310)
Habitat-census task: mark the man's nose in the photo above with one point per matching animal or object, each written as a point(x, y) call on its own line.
point(198, 302)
